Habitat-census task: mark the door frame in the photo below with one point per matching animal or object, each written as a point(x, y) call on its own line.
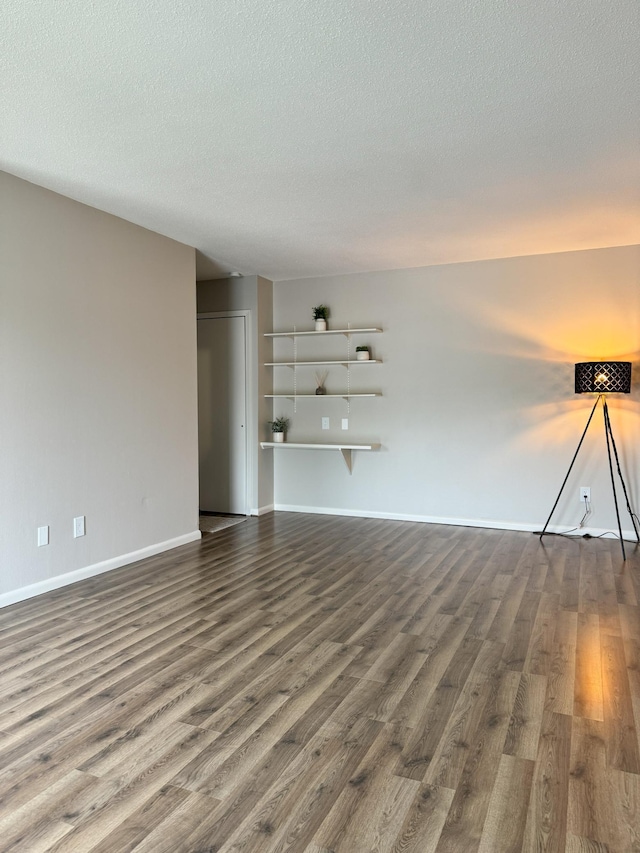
point(249, 433)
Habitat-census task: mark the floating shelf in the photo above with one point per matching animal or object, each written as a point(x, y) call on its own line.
point(345, 449)
point(321, 396)
point(328, 332)
point(344, 362)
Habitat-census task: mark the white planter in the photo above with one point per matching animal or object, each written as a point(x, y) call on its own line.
point(363, 355)
point(278, 437)
point(321, 325)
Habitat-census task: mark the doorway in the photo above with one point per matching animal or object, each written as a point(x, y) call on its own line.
point(222, 414)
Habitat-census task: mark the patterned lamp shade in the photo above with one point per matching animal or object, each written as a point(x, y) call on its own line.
point(603, 377)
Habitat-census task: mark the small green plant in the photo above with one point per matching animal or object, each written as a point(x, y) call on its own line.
point(320, 312)
point(280, 424)
point(362, 349)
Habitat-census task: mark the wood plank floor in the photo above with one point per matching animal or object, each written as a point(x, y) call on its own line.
point(329, 685)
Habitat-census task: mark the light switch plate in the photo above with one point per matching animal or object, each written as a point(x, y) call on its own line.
point(43, 536)
point(345, 423)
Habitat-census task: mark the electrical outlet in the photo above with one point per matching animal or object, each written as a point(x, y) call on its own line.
point(325, 423)
point(345, 423)
point(585, 494)
point(43, 536)
point(78, 526)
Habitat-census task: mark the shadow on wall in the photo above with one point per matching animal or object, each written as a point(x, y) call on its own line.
point(535, 357)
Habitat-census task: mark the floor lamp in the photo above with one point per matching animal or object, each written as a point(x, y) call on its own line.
point(602, 378)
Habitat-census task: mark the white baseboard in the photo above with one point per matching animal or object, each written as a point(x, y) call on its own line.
point(262, 510)
point(34, 589)
point(489, 524)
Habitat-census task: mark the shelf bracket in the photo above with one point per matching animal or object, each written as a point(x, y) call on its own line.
point(346, 454)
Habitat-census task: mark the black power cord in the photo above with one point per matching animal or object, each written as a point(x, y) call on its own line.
point(567, 533)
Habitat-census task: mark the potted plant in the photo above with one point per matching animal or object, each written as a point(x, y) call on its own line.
point(363, 353)
point(279, 427)
point(320, 315)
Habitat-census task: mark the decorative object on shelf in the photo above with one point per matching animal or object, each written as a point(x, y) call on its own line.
point(321, 315)
point(279, 427)
point(363, 353)
point(321, 378)
point(602, 378)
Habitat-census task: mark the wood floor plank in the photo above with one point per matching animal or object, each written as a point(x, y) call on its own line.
point(313, 684)
point(562, 667)
point(440, 649)
point(526, 720)
point(604, 803)
point(630, 621)
point(595, 811)
point(503, 830)
point(31, 764)
point(466, 818)
point(242, 746)
point(519, 639)
point(546, 826)
point(423, 742)
point(575, 844)
point(588, 699)
point(107, 815)
point(486, 614)
point(293, 808)
point(167, 807)
point(540, 649)
point(370, 812)
point(450, 755)
point(632, 657)
point(423, 823)
point(625, 793)
point(223, 822)
point(570, 586)
point(621, 735)
point(49, 808)
point(506, 614)
point(160, 825)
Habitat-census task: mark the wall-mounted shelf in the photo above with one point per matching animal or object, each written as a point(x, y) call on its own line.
point(347, 362)
point(345, 449)
point(321, 396)
point(296, 334)
point(343, 362)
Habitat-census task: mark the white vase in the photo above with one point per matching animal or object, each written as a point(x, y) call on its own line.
point(278, 437)
point(321, 325)
point(363, 355)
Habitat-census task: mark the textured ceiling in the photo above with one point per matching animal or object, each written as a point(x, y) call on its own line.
point(310, 137)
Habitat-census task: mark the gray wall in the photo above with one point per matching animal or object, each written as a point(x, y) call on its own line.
point(254, 294)
point(478, 420)
point(97, 389)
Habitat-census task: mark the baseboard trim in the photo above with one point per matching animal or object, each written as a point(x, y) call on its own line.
point(59, 581)
point(263, 510)
point(488, 524)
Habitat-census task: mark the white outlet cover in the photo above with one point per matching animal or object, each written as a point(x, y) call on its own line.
point(325, 423)
point(345, 423)
point(78, 526)
point(43, 536)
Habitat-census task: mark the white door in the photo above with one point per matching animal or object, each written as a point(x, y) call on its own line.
point(222, 424)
